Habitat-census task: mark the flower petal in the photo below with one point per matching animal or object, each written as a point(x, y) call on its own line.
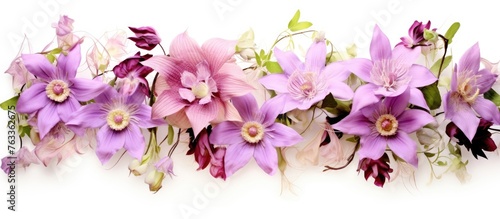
point(230, 86)
point(143, 117)
point(403, 146)
point(380, 47)
point(246, 106)
point(372, 146)
point(108, 143)
point(420, 76)
point(462, 115)
point(170, 68)
point(266, 157)
point(217, 52)
point(364, 96)
point(200, 115)
point(134, 141)
point(412, 120)
point(288, 61)
point(340, 90)
point(237, 156)
point(484, 80)
point(33, 99)
point(47, 119)
point(282, 136)
point(187, 94)
point(226, 133)
point(316, 57)
point(355, 124)
point(272, 108)
point(397, 105)
point(338, 71)
point(469, 62)
point(417, 98)
point(88, 116)
point(68, 64)
point(487, 110)
point(85, 89)
point(39, 66)
point(66, 108)
point(185, 48)
point(188, 79)
point(361, 67)
point(168, 103)
point(276, 82)
point(405, 56)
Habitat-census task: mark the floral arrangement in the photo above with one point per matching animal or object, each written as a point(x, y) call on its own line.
point(227, 102)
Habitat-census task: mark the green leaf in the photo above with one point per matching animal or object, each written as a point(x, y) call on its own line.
point(257, 58)
point(442, 163)
point(353, 139)
point(300, 26)
point(51, 58)
point(450, 33)
point(329, 102)
point(432, 96)
point(428, 154)
point(435, 68)
point(273, 67)
point(170, 139)
point(56, 51)
point(24, 130)
point(493, 96)
point(294, 20)
point(10, 102)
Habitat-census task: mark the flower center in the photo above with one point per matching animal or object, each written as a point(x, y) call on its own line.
point(200, 90)
point(389, 74)
point(57, 90)
point(118, 119)
point(387, 125)
point(304, 85)
point(467, 91)
point(252, 132)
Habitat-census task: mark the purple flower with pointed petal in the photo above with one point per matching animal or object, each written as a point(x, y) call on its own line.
point(145, 37)
point(58, 92)
point(256, 136)
point(133, 74)
point(303, 84)
point(416, 34)
point(465, 99)
point(386, 123)
point(119, 118)
point(389, 73)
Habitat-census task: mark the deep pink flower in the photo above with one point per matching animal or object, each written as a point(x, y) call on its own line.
point(133, 74)
point(256, 136)
point(377, 169)
point(119, 118)
point(197, 83)
point(465, 99)
point(415, 34)
point(145, 37)
point(217, 168)
point(57, 93)
point(386, 123)
point(205, 153)
point(304, 84)
point(481, 142)
point(389, 73)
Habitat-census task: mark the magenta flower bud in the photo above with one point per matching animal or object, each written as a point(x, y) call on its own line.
point(378, 169)
point(145, 37)
point(481, 142)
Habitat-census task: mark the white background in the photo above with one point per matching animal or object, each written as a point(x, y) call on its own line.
point(85, 188)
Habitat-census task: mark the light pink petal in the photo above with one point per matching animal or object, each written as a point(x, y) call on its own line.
point(230, 86)
point(405, 56)
point(364, 96)
point(403, 146)
point(485, 80)
point(276, 82)
point(417, 98)
point(288, 61)
point(355, 124)
point(340, 90)
point(486, 109)
point(203, 71)
point(168, 103)
point(68, 64)
point(226, 133)
point(266, 157)
point(338, 71)
point(397, 105)
point(470, 60)
point(66, 108)
point(421, 76)
point(391, 93)
point(170, 68)
point(246, 106)
point(33, 99)
point(188, 79)
point(187, 94)
point(454, 79)
point(108, 143)
point(380, 47)
point(200, 115)
point(205, 100)
point(143, 117)
point(84, 89)
point(47, 119)
point(372, 146)
point(237, 156)
point(134, 141)
point(39, 66)
point(217, 52)
point(187, 49)
point(412, 120)
point(316, 57)
point(361, 67)
point(462, 115)
point(282, 136)
point(88, 116)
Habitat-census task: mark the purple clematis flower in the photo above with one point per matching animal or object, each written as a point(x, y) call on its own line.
point(56, 94)
point(465, 99)
point(386, 123)
point(304, 84)
point(416, 34)
point(389, 73)
point(119, 118)
point(256, 136)
point(133, 74)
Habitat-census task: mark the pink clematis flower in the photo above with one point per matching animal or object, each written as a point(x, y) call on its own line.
point(119, 119)
point(256, 136)
point(389, 73)
point(415, 34)
point(57, 93)
point(465, 99)
point(386, 123)
point(304, 84)
point(197, 83)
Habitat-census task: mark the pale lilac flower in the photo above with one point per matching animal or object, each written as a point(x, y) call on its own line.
point(133, 74)
point(57, 93)
point(303, 84)
point(165, 165)
point(386, 123)
point(22, 158)
point(465, 99)
point(20, 75)
point(197, 83)
point(415, 35)
point(389, 73)
point(64, 26)
point(66, 40)
point(119, 119)
point(257, 135)
point(145, 37)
